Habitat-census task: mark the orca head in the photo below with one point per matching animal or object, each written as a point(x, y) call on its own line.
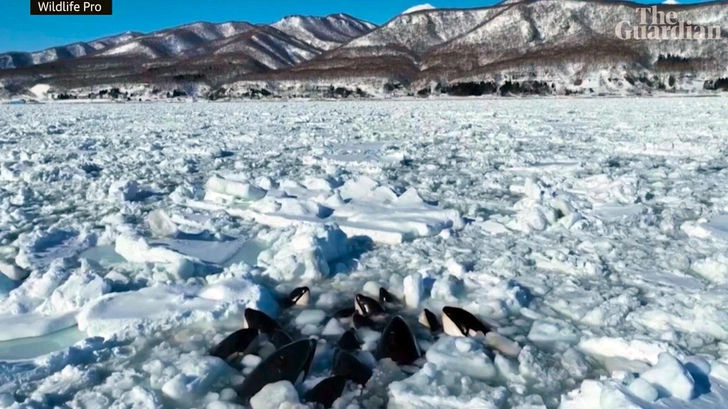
point(299, 296)
point(450, 323)
point(398, 342)
point(385, 297)
point(349, 341)
point(429, 320)
point(290, 363)
point(460, 323)
point(367, 306)
point(327, 391)
point(237, 343)
point(346, 365)
point(260, 321)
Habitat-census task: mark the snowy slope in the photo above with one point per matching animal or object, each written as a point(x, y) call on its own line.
point(106, 42)
point(318, 33)
point(570, 39)
point(561, 42)
point(75, 50)
point(215, 52)
point(420, 31)
point(175, 41)
point(263, 44)
point(325, 33)
point(546, 46)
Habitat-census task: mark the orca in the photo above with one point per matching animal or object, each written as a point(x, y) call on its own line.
point(349, 342)
point(327, 391)
point(290, 363)
point(361, 321)
point(398, 343)
point(279, 338)
point(235, 344)
point(367, 306)
point(429, 320)
point(345, 312)
point(260, 321)
point(457, 322)
point(298, 297)
point(346, 364)
point(385, 297)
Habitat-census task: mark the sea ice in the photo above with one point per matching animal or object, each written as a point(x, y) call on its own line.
point(310, 317)
point(164, 305)
point(273, 395)
point(434, 388)
point(670, 378)
point(553, 330)
point(591, 242)
point(413, 290)
point(465, 355)
point(233, 189)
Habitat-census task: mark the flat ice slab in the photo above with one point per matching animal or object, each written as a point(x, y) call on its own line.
point(164, 305)
point(360, 207)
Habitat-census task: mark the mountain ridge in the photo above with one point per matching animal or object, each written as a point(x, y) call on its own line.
point(106, 44)
point(546, 46)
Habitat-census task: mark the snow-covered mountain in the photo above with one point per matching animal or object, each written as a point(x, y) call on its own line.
point(420, 7)
point(266, 44)
point(75, 50)
point(543, 45)
point(293, 39)
point(325, 33)
point(558, 43)
point(176, 41)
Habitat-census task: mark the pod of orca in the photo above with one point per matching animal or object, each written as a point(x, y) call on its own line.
point(286, 359)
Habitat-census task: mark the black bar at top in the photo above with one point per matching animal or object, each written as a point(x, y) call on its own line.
point(70, 7)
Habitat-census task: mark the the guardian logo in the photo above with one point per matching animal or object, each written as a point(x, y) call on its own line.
point(656, 25)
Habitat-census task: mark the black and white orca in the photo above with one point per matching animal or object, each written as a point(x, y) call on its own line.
point(367, 306)
point(398, 343)
point(327, 391)
point(349, 342)
point(429, 320)
point(290, 363)
point(385, 297)
point(346, 365)
point(299, 297)
point(236, 344)
point(260, 321)
point(457, 322)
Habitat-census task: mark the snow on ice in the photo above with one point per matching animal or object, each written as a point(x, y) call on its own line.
point(592, 242)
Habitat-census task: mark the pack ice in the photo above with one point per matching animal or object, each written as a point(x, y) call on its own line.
point(586, 236)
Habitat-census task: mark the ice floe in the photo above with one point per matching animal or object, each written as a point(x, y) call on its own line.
point(133, 237)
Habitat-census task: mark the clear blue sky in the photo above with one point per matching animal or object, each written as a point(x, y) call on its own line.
point(19, 31)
